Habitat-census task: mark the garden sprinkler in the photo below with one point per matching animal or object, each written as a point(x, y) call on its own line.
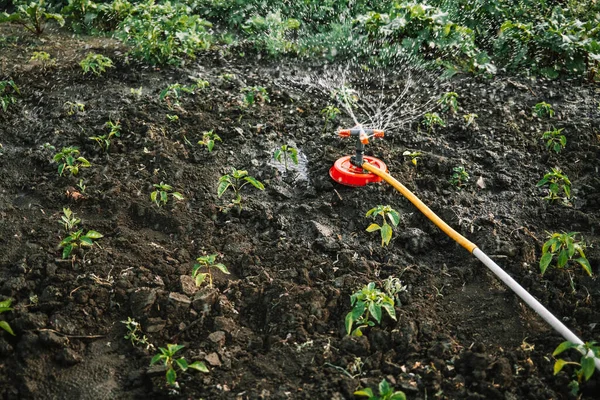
point(359, 170)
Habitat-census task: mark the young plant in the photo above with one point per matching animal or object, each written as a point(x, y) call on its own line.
point(135, 334)
point(386, 392)
point(173, 93)
point(104, 140)
point(386, 213)
point(555, 140)
point(431, 120)
point(543, 109)
point(78, 239)
point(8, 90)
point(254, 94)
point(564, 246)
point(449, 102)
point(329, 113)
point(5, 307)
point(161, 195)
point(167, 358)
point(586, 365)
point(286, 151)
point(95, 63)
point(459, 177)
point(470, 119)
point(208, 139)
point(73, 107)
point(368, 302)
point(207, 262)
point(558, 184)
point(68, 160)
point(236, 181)
point(43, 59)
point(68, 220)
point(413, 155)
point(32, 16)
point(172, 117)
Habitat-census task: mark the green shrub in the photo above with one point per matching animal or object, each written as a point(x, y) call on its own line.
point(32, 16)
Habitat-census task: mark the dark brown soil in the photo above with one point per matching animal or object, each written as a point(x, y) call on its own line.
point(274, 328)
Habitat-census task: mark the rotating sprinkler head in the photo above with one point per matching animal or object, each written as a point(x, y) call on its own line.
point(349, 170)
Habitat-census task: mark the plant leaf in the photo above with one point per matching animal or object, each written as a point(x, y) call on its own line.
point(4, 325)
point(585, 264)
point(562, 258)
point(386, 234)
point(389, 307)
point(222, 268)
point(563, 346)
point(373, 227)
point(394, 217)
point(222, 187)
point(366, 392)
point(182, 363)
point(587, 366)
point(171, 376)
point(254, 182)
point(558, 365)
point(198, 366)
point(545, 261)
point(94, 235)
point(375, 310)
point(155, 359)
point(177, 195)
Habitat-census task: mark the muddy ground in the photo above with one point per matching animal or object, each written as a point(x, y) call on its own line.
point(274, 327)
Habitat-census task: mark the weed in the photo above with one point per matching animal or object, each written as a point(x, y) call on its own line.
point(228, 77)
point(173, 118)
point(555, 140)
point(167, 357)
point(161, 195)
point(78, 239)
point(386, 212)
point(558, 183)
point(5, 307)
point(68, 161)
point(564, 246)
point(431, 120)
point(32, 16)
point(173, 93)
point(459, 177)
point(8, 90)
point(136, 92)
point(386, 392)
point(81, 186)
point(236, 181)
point(45, 60)
point(393, 286)
point(329, 113)
point(135, 334)
point(68, 220)
point(449, 102)
point(254, 94)
point(470, 119)
point(207, 262)
point(95, 63)
point(270, 33)
point(543, 109)
point(586, 364)
point(286, 151)
point(208, 139)
point(104, 140)
point(73, 107)
point(413, 155)
point(368, 302)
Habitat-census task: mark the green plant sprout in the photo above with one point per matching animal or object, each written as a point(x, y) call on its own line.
point(172, 118)
point(208, 139)
point(68, 160)
point(73, 107)
point(558, 183)
point(161, 195)
point(5, 307)
point(413, 155)
point(286, 151)
point(254, 94)
point(78, 239)
point(555, 139)
point(368, 302)
point(449, 102)
point(236, 181)
point(227, 77)
point(32, 16)
point(386, 392)
point(470, 119)
point(81, 186)
point(564, 246)
point(207, 262)
point(8, 90)
point(329, 113)
point(543, 109)
point(386, 212)
point(135, 335)
point(346, 96)
point(586, 364)
point(95, 63)
point(167, 357)
point(174, 92)
point(431, 120)
point(68, 220)
point(459, 177)
point(136, 92)
point(45, 60)
point(104, 140)
point(393, 286)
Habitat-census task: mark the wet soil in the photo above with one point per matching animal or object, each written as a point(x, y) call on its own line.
point(274, 327)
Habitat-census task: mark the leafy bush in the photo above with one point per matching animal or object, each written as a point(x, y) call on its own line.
point(32, 16)
point(564, 246)
point(366, 303)
point(270, 33)
point(89, 16)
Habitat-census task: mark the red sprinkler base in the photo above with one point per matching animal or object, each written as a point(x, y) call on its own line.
point(345, 173)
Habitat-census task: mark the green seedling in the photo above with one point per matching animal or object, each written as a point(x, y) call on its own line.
point(161, 195)
point(543, 109)
point(386, 212)
point(73, 107)
point(286, 151)
point(254, 94)
point(68, 160)
point(228, 77)
point(167, 358)
point(564, 246)
point(346, 96)
point(43, 58)
point(449, 102)
point(470, 119)
point(208, 139)
point(78, 239)
point(5, 307)
point(386, 392)
point(68, 220)
point(135, 335)
point(8, 92)
point(558, 184)
point(586, 364)
point(104, 140)
point(431, 120)
point(95, 63)
point(236, 181)
point(207, 262)
point(81, 186)
point(368, 302)
point(32, 16)
point(393, 286)
point(173, 118)
point(329, 113)
point(459, 177)
point(136, 92)
point(413, 155)
point(555, 140)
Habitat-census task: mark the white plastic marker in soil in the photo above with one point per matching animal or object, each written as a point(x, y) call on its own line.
point(471, 247)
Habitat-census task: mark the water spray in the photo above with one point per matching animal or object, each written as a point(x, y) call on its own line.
point(360, 170)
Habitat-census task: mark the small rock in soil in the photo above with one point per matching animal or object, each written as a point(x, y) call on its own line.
point(204, 299)
point(30, 321)
point(359, 346)
point(218, 338)
point(213, 359)
point(68, 357)
point(415, 240)
point(52, 339)
point(62, 324)
point(5, 347)
point(225, 324)
point(154, 325)
point(188, 285)
point(141, 300)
